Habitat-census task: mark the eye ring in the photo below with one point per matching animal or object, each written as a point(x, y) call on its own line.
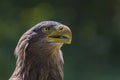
point(45, 29)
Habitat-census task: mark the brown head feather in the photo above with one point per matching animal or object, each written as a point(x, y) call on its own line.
point(37, 57)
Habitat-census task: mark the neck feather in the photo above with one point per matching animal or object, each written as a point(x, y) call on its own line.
point(37, 65)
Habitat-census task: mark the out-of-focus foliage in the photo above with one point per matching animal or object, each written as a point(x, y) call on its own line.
point(95, 51)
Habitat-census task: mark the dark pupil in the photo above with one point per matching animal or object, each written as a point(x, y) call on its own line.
point(46, 28)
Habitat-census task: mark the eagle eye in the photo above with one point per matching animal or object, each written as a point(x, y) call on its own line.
point(45, 29)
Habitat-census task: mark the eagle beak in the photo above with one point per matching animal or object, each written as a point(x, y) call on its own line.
point(62, 34)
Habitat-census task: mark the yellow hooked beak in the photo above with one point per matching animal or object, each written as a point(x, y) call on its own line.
point(62, 34)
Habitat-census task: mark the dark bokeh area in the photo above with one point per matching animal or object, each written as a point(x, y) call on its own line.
point(95, 50)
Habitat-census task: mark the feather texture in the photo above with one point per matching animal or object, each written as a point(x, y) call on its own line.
point(37, 57)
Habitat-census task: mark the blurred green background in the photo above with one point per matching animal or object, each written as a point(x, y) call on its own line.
point(95, 50)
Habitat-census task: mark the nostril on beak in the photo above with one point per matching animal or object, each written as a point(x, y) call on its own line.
point(60, 28)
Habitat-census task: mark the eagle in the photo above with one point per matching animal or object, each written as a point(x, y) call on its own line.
point(38, 52)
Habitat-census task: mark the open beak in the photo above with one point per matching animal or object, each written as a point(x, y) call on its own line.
point(62, 34)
